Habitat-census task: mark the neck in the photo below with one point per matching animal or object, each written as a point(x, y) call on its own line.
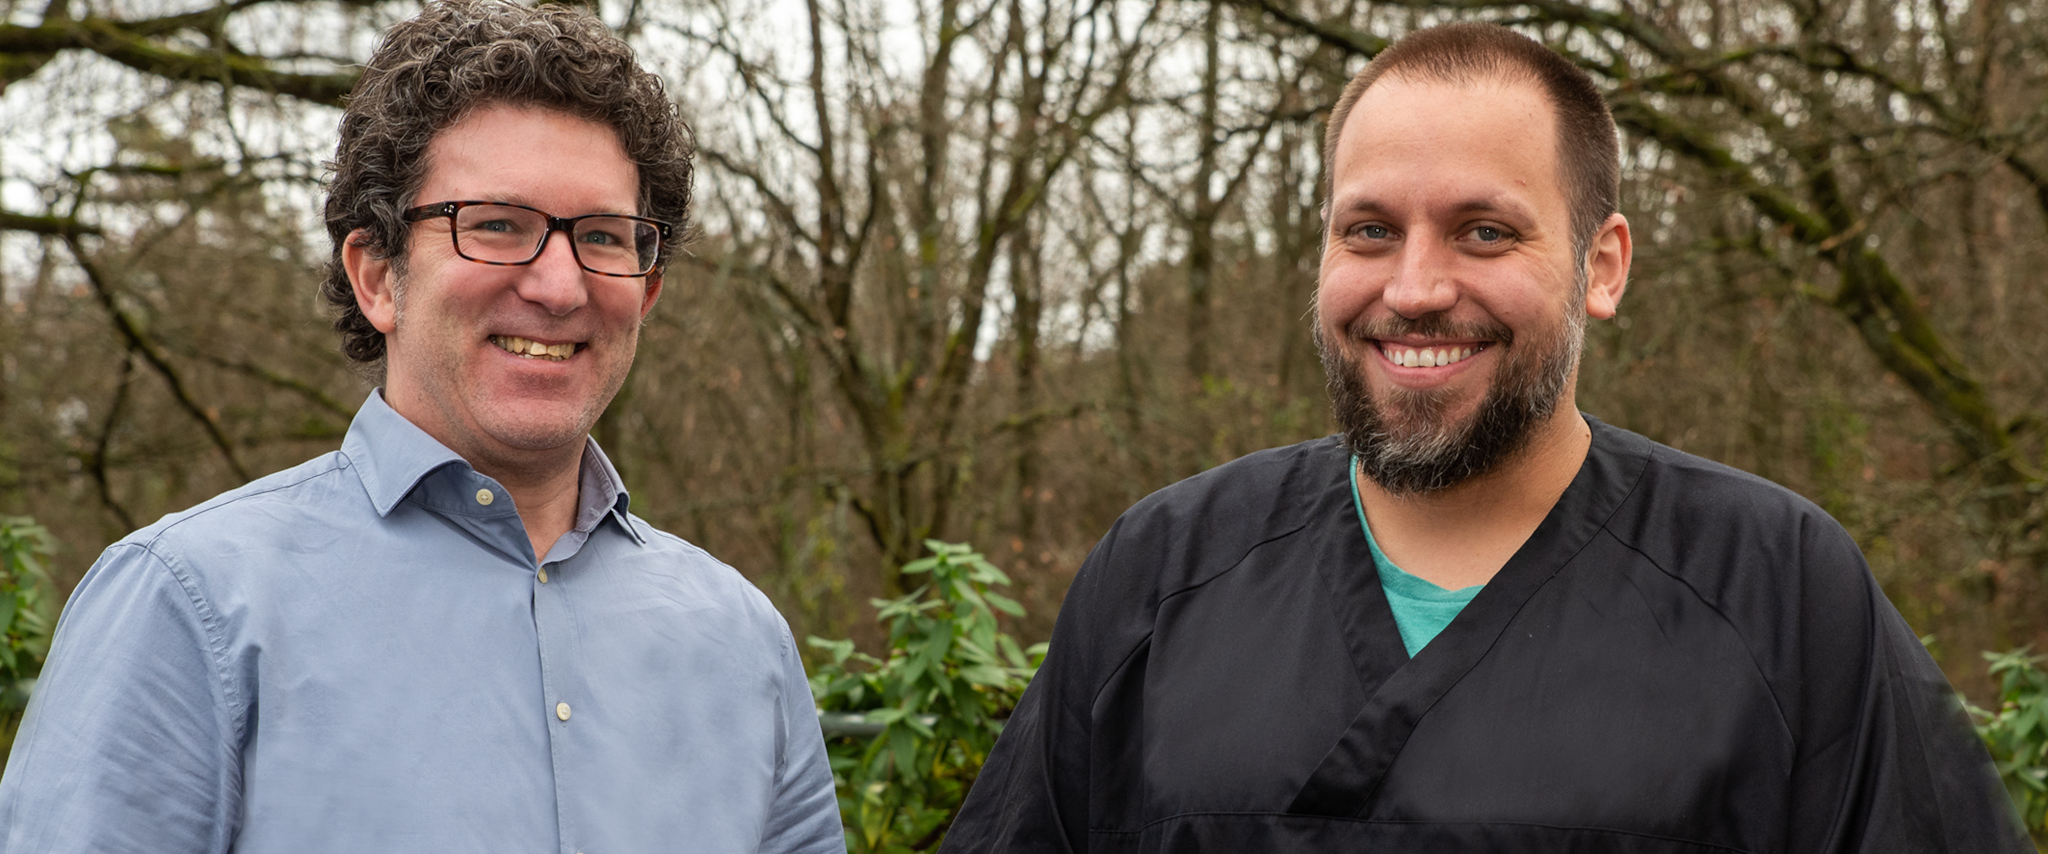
point(1461, 536)
point(544, 483)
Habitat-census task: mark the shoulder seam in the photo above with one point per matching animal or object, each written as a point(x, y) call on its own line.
point(1146, 638)
point(1748, 648)
point(210, 507)
point(216, 635)
point(235, 706)
point(1298, 528)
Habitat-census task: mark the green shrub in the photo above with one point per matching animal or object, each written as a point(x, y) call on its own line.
point(930, 710)
point(28, 614)
point(2017, 733)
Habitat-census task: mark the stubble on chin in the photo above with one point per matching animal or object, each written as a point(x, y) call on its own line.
point(1409, 441)
point(481, 421)
point(542, 434)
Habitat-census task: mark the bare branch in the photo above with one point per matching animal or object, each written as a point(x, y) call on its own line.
point(24, 49)
point(62, 226)
point(131, 332)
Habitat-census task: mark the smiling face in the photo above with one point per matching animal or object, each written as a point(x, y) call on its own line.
point(507, 365)
point(1451, 302)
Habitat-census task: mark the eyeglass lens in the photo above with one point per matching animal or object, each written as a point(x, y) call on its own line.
point(505, 234)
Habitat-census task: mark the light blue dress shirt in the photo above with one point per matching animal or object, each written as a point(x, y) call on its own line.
point(359, 655)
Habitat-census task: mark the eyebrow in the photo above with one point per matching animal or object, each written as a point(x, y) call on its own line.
point(522, 199)
point(1498, 203)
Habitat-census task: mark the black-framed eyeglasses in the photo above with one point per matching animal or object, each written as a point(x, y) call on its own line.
point(511, 235)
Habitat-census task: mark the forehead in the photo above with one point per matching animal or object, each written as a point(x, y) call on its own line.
point(1412, 140)
point(532, 155)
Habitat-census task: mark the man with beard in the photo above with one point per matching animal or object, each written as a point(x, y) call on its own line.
point(1479, 620)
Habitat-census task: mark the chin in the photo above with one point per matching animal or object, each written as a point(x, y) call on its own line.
point(529, 431)
point(1417, 442)
point(539, 438)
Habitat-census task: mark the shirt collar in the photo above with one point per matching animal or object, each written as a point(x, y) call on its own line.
point(602, 492)
point(393, 456)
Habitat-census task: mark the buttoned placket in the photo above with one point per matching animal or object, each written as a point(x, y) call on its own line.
point(555, 631)
point(481, 506)
point(567, 709)
point(553, 623)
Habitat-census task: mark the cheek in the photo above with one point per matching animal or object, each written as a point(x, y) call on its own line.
point(623, 302)
point(1344, 292)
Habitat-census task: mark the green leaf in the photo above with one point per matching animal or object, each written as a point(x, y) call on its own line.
point(2016, 733)
point(949, 677)
point(916, 725)
point(1006, 604)
point(839, 649)
point(929, 657)
point(985, 675)
point(903, 747)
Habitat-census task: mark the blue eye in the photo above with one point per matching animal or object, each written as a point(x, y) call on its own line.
point(1375, 232)
point(1488, 233)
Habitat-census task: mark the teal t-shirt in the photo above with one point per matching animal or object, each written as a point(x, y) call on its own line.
point(1421, 609)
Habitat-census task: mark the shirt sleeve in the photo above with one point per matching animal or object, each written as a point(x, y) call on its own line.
point(805, 814)
point(1031, 795)
point(1037, 789)
point(1887, 759)
point(127, 744)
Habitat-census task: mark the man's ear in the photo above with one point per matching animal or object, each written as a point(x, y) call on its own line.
point(1607, 267)
point(373, 281)
point(653, 293)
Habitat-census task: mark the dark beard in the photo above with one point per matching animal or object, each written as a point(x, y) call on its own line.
point(1411, 450)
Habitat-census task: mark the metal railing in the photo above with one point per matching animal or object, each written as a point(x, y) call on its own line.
point(857, 725)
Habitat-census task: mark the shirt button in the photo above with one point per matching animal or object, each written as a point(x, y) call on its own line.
point(543, 575)
point(484, 497)
point(562, 711)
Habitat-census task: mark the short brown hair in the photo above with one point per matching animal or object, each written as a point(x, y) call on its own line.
point(459, 55)
point(1588, 152)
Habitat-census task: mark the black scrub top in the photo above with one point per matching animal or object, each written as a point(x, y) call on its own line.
point(1682, 658)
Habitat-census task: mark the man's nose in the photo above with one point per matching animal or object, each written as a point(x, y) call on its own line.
point(1424, 281)
point(555, 280)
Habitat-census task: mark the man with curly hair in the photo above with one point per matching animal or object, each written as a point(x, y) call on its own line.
point(450, 635)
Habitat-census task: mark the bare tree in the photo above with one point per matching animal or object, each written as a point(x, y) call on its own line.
point(993, 269)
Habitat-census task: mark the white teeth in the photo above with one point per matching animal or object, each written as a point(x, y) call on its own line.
point(1428, 357)
point(533, 349)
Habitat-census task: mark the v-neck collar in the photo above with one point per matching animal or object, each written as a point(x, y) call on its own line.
point(1400, 690)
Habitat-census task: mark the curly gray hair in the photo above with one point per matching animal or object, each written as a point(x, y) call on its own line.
point(459, 55)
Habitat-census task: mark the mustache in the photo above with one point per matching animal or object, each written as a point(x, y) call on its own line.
point(1436, 325)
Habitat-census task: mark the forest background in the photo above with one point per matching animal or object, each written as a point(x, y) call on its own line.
point(991, 270)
